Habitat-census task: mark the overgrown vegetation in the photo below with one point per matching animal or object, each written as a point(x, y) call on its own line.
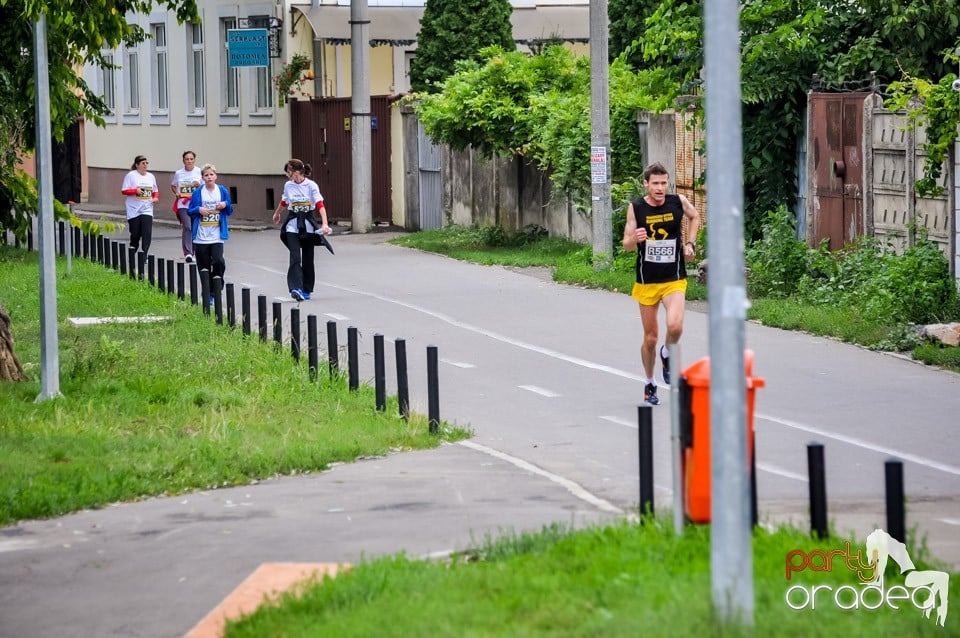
point(868, 280)
point(538, 106)
point(163, 408)
point(619, 580)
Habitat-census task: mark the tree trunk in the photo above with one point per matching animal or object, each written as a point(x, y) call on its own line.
point(10, 368)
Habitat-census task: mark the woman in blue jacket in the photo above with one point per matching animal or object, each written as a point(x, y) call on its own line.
point(209, 208)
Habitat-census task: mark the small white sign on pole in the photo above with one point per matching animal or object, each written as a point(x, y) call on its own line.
point(598, 164)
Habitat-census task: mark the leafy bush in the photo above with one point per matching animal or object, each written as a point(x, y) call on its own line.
point(778, 260)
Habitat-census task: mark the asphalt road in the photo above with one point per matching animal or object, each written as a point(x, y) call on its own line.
point(548, 378)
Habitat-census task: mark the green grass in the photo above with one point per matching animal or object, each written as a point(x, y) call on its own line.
point(618, 580)
point(163, 408)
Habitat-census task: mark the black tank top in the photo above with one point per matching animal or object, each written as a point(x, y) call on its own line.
point(660, 257)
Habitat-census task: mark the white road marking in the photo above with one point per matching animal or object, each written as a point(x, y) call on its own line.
point(619, 421)
point(550, 394)
point(93, 321)
point(773, 469)
point(572, 487)
point(459, 364)
point(950, 521)
point(906, 456)
point(591, 365)
point(335, 316)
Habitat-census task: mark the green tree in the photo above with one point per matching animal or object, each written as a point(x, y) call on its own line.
point(455, 30)
point(76, 33)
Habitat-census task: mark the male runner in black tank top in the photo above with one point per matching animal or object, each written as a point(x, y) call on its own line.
point(654, 226)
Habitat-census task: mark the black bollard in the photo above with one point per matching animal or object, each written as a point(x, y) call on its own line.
point(262, 317)
point(61, 236)
point(379, 373)
point(231, 307)
point(754, 509)
point(645, 441)
point(181, 293)
point(122, 258)
point(193, 284)
point(115, 253)
point(205, 291)
point(295, 334)
point(893, 474)
point(245, 309)
point(353, 362)
point(77, 241)
point(132, 259)
point(161, 274)
point(333, 350)
point(403, 391)
point(30, 238)
point(818, 490)
point(151, 270)
point(101, 250)
point(86, 245)
point(216, 290)
point(433, 389)
point(141, 265)
point(312, 356)
point(170, 280)
point(277, 324)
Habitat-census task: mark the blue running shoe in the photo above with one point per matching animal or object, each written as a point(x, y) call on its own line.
point(297, 294)
point(650, 394)
point(665, 362)
point(306, 295)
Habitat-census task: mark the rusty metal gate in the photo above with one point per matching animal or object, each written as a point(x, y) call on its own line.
point(836, 174)
point(320, 135)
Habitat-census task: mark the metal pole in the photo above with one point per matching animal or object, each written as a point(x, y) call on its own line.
point(403, 391)
point(676, 444)
point(277, 324)
point(180, 280)
point(433, 389)
point(731, 555)
point(49, 343)
point(262, 317)
point(231, 307)
point(816, 472)
point(333, 350)
point(312, 350)
point(893, 478)
point(245, 309)
point(295, 334)
point(645, 449)
point(360, 143)
point(600, 136)
point(353, 362)
point(379, 373)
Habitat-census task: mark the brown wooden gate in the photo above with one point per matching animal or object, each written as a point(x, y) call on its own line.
point(836, 181)
point(320, 135)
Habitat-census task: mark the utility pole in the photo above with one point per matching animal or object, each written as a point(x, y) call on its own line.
point(731, 552)
point(362, 214)
point(600, 136)
point(49, 343)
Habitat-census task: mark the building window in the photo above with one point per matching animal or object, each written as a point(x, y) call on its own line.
point(264, 94)
point(229, 76)
point(196, 87)
point(108, 88)
point(159, 89)
point(131, 80)
point(264, 89)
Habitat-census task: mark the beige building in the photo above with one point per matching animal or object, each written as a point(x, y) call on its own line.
point(176, 92)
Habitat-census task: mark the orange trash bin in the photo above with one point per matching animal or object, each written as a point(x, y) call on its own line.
point(695, 427)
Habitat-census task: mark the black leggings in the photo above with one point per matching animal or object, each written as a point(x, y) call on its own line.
point(300, 272)
point(141, 232)
point(210, 258)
